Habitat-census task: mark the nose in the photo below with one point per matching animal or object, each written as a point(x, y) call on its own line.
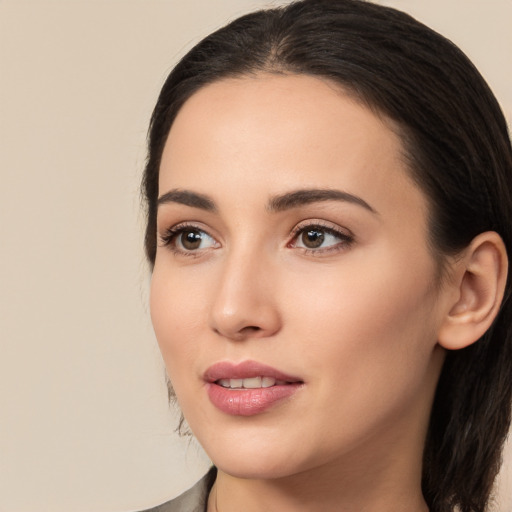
point(245, 303)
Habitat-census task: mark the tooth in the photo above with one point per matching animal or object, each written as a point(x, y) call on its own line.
point(252, 383)
point(267, 382)
point(236, 383)
point(225, 383)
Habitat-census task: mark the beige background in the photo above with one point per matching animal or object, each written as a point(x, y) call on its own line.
point(84, 424)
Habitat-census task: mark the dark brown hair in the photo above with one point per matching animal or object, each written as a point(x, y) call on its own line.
point(459, 153)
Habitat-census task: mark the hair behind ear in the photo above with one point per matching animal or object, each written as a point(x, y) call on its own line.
point(472, 407)
point(470, 420)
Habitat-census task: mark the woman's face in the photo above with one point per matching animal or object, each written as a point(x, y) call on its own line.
point(292, 247)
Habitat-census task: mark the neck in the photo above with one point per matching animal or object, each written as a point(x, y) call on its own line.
point(379, 484)
point(230, 494)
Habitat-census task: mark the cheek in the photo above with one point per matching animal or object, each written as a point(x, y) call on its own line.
point(366, 319)
point(178, 313)
point(366, 348)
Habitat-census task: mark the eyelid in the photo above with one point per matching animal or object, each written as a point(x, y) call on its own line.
point(318, 223)
point(169, 235)
point(346, 236)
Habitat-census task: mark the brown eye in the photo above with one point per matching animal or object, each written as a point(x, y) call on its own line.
point(312, 238)
point(321, 239)
point(190, 239)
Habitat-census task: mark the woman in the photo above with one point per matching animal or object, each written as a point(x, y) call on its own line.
point(328, 194)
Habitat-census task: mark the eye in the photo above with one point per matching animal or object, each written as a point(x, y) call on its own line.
point(187, 239)
point(193, 239)
point(318, 238)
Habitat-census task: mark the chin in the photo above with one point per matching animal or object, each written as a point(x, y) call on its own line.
point(251, 456)
point(257, 468)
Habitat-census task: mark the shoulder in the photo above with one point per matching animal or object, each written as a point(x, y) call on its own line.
point(193, 500)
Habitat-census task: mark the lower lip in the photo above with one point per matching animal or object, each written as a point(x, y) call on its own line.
point(248, 402)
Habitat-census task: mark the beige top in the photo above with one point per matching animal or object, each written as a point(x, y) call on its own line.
point(193, 500)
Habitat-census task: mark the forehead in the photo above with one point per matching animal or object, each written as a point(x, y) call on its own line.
point(265, 134)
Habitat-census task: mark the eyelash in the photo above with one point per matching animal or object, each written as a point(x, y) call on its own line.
point(171, 234)
point(346, 238)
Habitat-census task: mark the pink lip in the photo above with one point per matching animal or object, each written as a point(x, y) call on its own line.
point(244, 370)
point(247, 402)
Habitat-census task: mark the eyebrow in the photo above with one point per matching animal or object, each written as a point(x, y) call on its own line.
point(188, 198)
point(278, 203)
point(307, 196)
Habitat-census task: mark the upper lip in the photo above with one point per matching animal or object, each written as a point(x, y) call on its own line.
point(245, 370)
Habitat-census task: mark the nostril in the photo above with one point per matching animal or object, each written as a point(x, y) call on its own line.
point(248, 331)
point(251, 328)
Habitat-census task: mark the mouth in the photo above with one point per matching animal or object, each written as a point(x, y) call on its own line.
point(251, 383)
point(248, 388)
point(247, 375)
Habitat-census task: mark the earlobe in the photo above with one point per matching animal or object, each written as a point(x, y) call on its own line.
point(480, 284)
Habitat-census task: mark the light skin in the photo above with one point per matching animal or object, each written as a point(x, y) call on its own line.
point(355, 308)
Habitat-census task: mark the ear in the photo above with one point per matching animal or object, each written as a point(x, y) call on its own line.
point(479, 284)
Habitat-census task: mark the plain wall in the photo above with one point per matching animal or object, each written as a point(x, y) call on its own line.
point(84, 421)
